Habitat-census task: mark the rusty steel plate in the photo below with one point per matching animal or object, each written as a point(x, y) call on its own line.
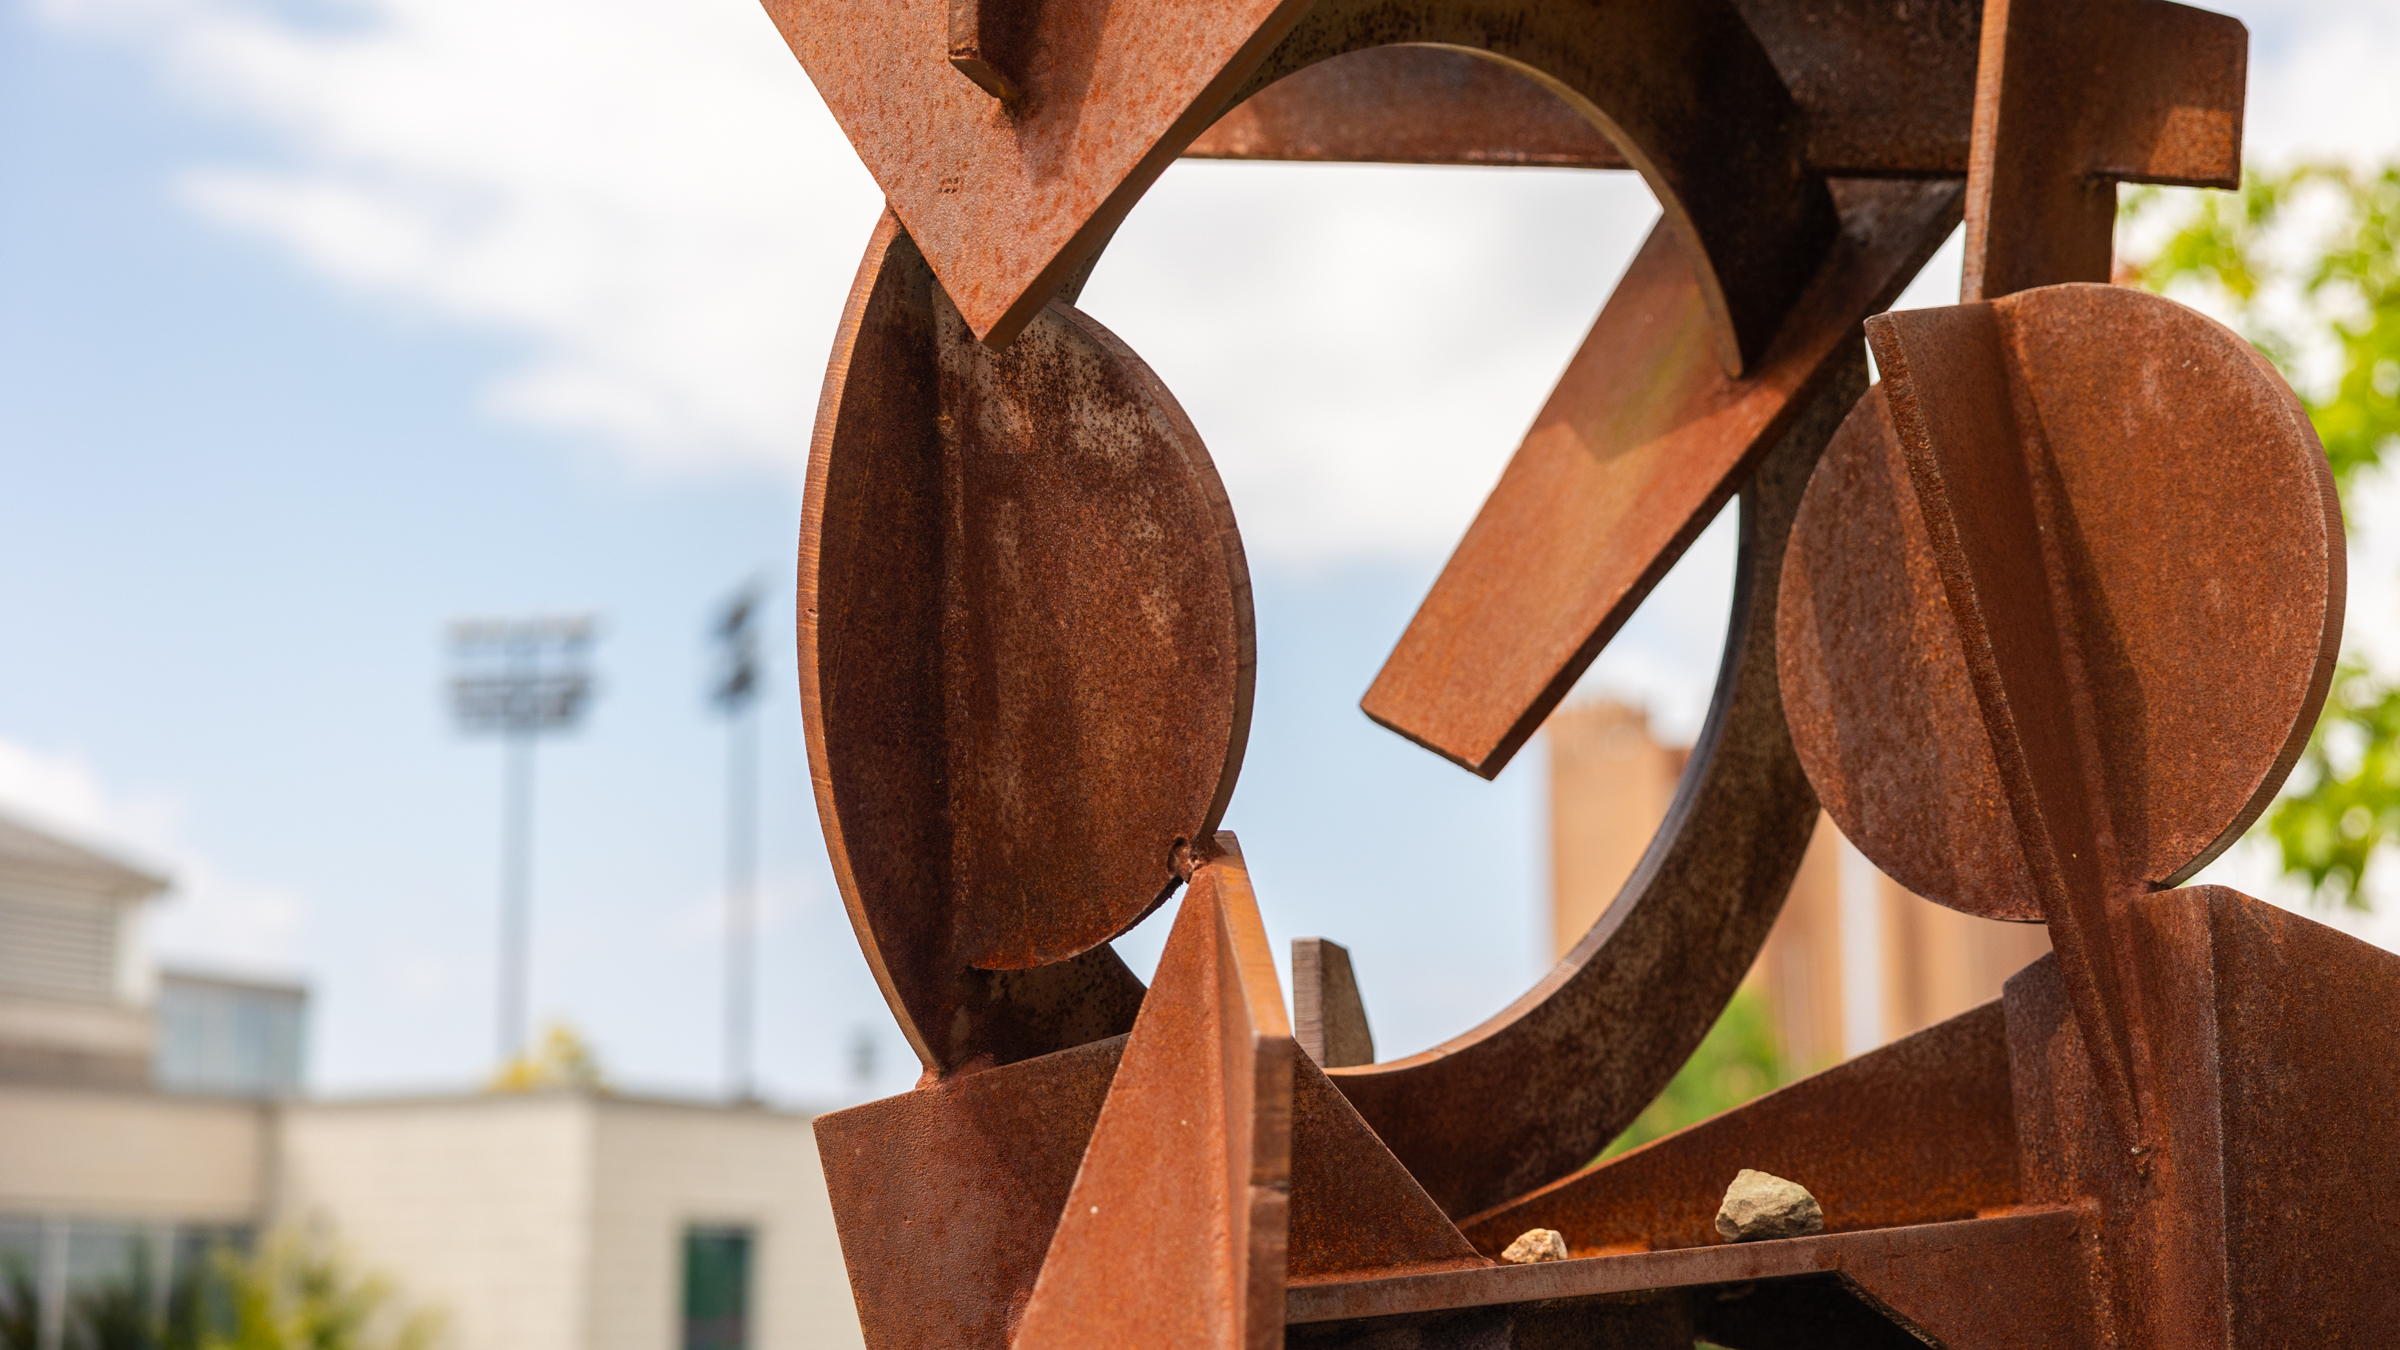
point(1176, 1229)
point(2194, 565)
point(2073, 97)
point(1019, 577)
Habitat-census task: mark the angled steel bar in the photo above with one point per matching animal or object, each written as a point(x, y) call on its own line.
point(1641, 443)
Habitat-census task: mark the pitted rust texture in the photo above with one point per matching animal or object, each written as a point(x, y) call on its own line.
point(2114, 494)
point(945, 1198)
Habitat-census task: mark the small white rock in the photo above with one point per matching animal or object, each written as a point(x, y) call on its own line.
point(1759, 1206)
point(1538, 1244)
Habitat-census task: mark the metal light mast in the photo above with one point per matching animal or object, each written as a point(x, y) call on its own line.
point(735, 693)
point(519, 679)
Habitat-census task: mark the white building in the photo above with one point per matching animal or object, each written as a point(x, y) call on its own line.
point(145, 1117)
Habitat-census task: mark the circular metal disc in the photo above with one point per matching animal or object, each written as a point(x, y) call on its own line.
point(2194, 549)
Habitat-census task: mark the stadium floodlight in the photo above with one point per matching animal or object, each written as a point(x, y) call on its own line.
point(519, 679)
point(735, 693)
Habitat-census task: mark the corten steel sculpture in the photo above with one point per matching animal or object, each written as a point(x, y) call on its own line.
point(2042, 619)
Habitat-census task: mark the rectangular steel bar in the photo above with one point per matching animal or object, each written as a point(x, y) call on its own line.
point(1641, 443)
point(1327, 1014)
point(2074, 96)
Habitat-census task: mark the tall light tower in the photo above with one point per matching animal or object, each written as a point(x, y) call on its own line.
point(519, 679)
point(735, 692)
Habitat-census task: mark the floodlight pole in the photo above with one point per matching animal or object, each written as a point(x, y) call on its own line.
point(741, 896)
point(516, 885)
point(518, 678)
point(736, 695)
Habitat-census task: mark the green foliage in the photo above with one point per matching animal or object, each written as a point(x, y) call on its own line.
point(1739, 1059)
point(297, 1293)
point(2305, 264)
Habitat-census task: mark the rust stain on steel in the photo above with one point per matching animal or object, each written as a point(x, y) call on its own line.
point(1008, 199)
point(1174, 1233)
point(1354, 1207)
point(945, 1198)
point(1877, 99)
point(2061, 605)
point(1539, 1089)
point(2073, 97)
point(1639, 446)
point(1835, 1132)
point(1018, 571)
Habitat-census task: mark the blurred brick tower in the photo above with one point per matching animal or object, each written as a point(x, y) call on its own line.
point(1854, 962)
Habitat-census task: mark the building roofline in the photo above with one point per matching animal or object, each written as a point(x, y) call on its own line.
point(595, 1096)
point(45, 852)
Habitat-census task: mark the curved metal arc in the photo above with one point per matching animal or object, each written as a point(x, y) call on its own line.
point(1729, 172)
point(1542, 1086)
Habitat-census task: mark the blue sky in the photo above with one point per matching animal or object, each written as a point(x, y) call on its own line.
point(323, 324)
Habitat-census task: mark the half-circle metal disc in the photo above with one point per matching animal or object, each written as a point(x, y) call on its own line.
point(1026, 654)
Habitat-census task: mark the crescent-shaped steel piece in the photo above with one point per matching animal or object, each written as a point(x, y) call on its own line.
point(1539, 1089)
point(1019, 579)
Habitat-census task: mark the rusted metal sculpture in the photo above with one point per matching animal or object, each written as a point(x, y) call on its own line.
point(2042, 619)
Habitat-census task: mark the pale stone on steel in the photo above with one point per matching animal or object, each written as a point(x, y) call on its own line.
point(1538, 1244)
point(1759, 1206)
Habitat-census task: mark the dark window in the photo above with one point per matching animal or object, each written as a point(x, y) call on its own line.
point(716, 1288)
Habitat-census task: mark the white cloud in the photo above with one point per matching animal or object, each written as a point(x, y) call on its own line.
point(207, 916)
point(647, 193)
point(2321, 82)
